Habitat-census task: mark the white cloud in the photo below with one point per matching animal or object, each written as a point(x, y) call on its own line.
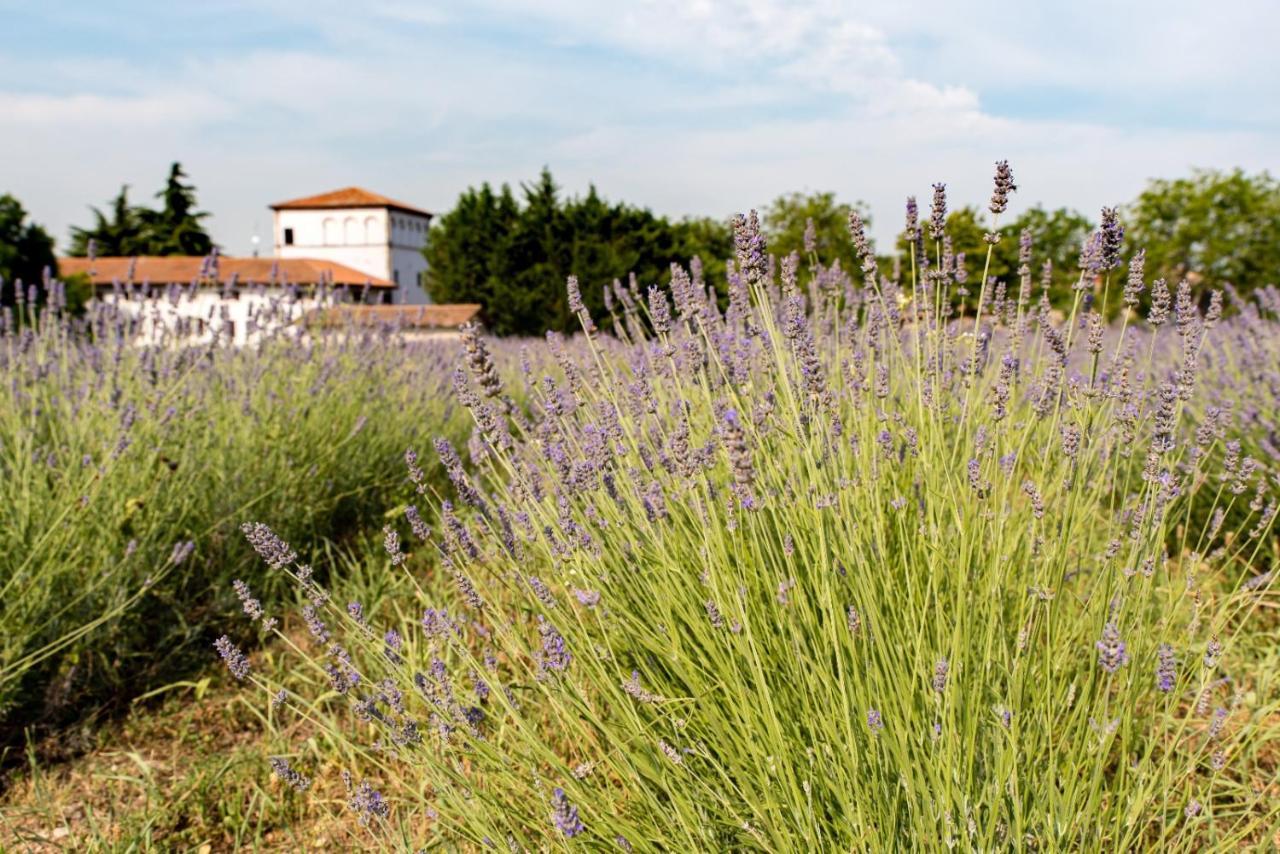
point(693, 106)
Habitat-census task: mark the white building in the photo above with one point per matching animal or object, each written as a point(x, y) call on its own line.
point(361, 230)
point(192, 299)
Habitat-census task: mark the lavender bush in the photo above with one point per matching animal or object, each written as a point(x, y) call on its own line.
point(126, 467)
point(853, 563)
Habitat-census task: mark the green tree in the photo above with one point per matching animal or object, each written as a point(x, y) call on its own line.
point(120, 233)
point(786, 219)
point(26, 249)
point(176, 228)
point(513, 257)
point(128, 230)
point(1056, 236)
point(1219, 227)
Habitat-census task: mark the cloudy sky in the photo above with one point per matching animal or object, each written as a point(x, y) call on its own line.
point(686, 106)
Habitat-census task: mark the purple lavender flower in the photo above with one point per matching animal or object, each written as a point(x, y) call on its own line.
point(235, 660)
point(938, 212)
point(314, 624)
point(270, 548)
point(480, 363)
point(670, 752)
point(1219, 720)
point(940, 671)
point(554, 655)
point(1112, 239)
point(588, 598)
point(858, 236)
point(659, 310)
point(634, 689)
point(1003, 187)
point(713, 614)
point(1112, 652)
point(419, 527)
point(1212, 653)
point(1134, 284)
point(366, 801)
point(564, 815)
point(280, 766)
point(391, 542)
point(1159, 311)
point(181, 551)
point(749, 246)
point(875, 722)
point(575, 295)
point(542, 591)
point(735, 442)
point(252, 607)
point(1166, 668)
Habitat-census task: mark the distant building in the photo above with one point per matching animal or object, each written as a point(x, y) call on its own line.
point(337, 254)
point(197, 298)
point(362, 230)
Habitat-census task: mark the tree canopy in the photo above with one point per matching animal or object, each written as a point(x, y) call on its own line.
point(787, 219)
point(26, 250)
point(511, 251)
point(127, 229)
point(1216, 227)
point(513, 255)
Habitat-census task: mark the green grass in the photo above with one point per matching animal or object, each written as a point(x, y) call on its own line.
point(113, 455)
point(1019, 525)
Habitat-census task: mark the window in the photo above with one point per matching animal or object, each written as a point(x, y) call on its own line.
point(395, 276)
point(288, 237)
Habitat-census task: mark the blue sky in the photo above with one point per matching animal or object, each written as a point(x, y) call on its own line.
point(686, 106)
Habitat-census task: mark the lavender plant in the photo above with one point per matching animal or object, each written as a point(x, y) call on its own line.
point(125, 468)
point(846, 564)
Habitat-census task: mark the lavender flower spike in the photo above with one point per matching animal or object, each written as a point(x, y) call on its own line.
point(564, 815)
point(1003, 187)
point(875, 721)
point(280, 766)
point(236, 661)
point(1166, 669)
point(1112, 652)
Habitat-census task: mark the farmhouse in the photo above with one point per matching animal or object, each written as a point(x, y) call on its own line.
point(362, 230)
point(337, 254)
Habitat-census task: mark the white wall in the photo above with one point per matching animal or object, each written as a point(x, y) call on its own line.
point(241, 320)
point(408, 238)
point(355, 237)
point(382, 242)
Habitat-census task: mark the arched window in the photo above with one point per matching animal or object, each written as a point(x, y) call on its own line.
point(372, 230)
point(330, 227)
point(350, 230)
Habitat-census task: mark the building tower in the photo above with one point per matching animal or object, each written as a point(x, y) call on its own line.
point(363, 230)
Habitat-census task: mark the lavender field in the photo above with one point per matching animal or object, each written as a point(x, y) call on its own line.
point(808, 559)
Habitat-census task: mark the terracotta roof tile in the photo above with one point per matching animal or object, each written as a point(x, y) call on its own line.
point(448, 316)
point(184, 269)
point(348, 197)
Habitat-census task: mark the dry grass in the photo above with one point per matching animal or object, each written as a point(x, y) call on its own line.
point(186, 772)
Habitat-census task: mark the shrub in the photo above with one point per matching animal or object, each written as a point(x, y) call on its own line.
point(125, 471)
point(832, 570)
